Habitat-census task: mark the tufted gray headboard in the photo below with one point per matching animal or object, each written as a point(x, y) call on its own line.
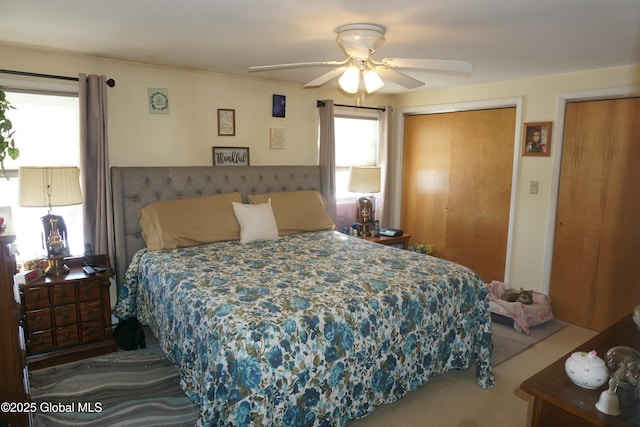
point(135, 187)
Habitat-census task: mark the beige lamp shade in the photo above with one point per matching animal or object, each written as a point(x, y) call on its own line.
point(49, 186)
point(364, 179)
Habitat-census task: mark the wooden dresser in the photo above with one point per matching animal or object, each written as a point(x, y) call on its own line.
point(68, 317)
point(14, 375)
point(560, 403)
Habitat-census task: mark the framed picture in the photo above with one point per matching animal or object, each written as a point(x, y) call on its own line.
point(158, 100)
point(279, 106)
point(231, 156)
point(278, 138)
point(226, 122)
point(536, 140)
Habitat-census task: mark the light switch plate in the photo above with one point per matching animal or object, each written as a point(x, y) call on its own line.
point(533, 187)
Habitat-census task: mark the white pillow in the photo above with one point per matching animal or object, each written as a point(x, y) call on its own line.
point(257, 222)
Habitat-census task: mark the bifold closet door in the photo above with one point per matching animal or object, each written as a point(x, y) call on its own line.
point(595, 275)
point(456, 187)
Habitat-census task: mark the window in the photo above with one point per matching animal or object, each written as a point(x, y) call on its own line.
point(357, 137)
point(356, 144)
point(47, 133)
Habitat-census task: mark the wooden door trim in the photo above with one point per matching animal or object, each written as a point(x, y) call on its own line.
point(450, 108)
point(556, 154)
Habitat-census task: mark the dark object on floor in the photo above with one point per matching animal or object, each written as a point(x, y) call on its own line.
point(503, 320)
point(129, 334)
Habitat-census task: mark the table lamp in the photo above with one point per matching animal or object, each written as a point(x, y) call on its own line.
point(48, 187)
point(364, 180)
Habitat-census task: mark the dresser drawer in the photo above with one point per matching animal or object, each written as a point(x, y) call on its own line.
point(90, 310)
point(67, 336)
point(61, 294)
point(39, 319)
point(65, 315)
point(36, 298)
point(92, 331)
point(88, 291)
point(40, 341)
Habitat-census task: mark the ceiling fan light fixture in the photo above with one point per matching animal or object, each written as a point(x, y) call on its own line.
point(359, 71)
point(350, 79)
point(372, 81)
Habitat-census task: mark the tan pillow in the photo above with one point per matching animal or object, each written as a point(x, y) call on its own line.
point(182, 223)
point(297, 211)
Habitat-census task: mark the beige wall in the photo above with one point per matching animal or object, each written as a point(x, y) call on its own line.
point(186, 135)
point(539, 99)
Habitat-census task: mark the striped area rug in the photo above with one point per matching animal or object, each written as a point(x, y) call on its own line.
point(125, 388)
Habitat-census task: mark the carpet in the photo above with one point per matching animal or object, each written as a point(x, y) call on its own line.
point(507, 342)
point(124, 388)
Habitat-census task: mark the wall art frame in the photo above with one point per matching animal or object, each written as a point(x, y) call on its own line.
point(536, 139)
point(231, 156)
point(279, 106)
point(158, 100)
point(226, 122)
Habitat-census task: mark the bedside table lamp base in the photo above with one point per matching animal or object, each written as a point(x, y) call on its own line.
point(367, 229)
point(56, 267)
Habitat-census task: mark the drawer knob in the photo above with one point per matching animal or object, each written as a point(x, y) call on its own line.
point(67, 335)
point(65, 315)
point(38, 319)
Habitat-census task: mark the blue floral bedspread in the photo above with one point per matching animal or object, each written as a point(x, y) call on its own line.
point(310, 329)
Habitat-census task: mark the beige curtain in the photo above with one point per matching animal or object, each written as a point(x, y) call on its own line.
point(327, 154)
point(94, 164)
point(383, 200)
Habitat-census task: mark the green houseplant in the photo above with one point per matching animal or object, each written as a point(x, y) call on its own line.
point(7, 144)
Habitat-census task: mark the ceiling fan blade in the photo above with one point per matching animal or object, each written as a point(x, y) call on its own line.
point(442, 65)
point(398, 77)
point(296, 65)
point(325, 77)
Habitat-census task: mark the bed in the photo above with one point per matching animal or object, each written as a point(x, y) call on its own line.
point(312, 327)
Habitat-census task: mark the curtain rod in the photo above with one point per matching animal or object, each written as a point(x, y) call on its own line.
point(110, 82)
point(320, 103)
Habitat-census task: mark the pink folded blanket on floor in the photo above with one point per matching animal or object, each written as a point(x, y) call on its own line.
point(524, 316)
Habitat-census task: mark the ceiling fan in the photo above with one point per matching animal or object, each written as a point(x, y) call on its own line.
point(359, 41)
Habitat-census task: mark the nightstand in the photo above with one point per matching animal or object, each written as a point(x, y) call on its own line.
point(68, 317)
point(391, 241)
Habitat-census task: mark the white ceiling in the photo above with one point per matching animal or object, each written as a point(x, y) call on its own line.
point(504, 39)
